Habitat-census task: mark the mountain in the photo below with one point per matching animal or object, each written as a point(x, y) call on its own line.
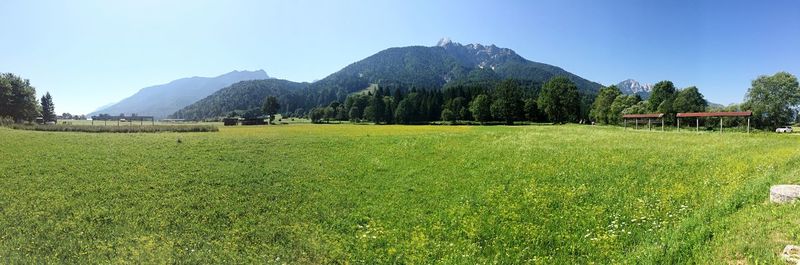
point(162, 100)
point(427, 68)
point(433, 67)
point(243, 96)
point(631, 87)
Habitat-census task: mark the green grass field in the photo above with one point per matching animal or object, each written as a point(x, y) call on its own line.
point(307, 193)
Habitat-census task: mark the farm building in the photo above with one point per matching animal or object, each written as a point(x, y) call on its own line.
point(659, 117)
point(720, 115)
point(253, 121)
point(230, 121)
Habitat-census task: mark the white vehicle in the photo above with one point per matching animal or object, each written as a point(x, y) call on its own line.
point(784, 129)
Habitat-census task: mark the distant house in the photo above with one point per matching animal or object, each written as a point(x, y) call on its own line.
point(230, 121)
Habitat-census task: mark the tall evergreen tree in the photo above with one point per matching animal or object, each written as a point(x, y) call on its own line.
point(48, 109)
point(508, 101)
point(378, 107)
point(390, 106)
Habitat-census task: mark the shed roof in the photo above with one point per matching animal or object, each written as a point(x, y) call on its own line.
point(716, 114)
point(638, 116)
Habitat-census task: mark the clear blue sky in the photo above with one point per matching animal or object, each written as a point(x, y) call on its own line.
point(89, 53)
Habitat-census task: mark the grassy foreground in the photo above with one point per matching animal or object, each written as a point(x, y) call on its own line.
point(396, 194)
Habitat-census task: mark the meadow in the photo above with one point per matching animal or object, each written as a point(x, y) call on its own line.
point(340, 193)
point(115, 129)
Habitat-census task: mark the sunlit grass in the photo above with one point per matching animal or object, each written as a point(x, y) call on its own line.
point(308, 193)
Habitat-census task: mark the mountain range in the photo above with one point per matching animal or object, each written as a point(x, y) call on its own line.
point(162, 100)
point(414, 67)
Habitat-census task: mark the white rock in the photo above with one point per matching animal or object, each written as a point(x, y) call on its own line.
point(784, 193)
point(791, 254)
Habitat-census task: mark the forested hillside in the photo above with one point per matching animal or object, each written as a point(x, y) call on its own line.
point(243, 96)
point(418, 68)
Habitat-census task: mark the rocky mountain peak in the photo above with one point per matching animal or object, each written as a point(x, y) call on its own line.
point(477, 54)
point(631, 86)
point(445, 42)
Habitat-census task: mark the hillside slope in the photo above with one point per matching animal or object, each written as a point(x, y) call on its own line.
point(242, 96)
point(165, 99)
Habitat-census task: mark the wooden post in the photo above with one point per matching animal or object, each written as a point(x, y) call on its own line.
point(748, 124)
point(679, 124)
point(637, 123)
point(649, 124)
point(662, 124)
point(720, 125)
point(698, 123)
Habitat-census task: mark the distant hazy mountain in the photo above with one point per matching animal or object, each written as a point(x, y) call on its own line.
point(163, 100)
point(420, 67)
point(631, 87)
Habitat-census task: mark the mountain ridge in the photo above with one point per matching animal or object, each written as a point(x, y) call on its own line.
point(411, 67)
point(164, 99)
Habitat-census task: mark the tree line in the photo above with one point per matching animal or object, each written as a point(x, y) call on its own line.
point(509, 101)
point(610, 104)
point(773, 100)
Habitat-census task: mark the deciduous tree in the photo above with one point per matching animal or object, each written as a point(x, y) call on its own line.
point(481, 108)
point(662, 91)
point(773, 99)
point(689, 100)
point(601, 108)
point(271, 107)
point(559, 99)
